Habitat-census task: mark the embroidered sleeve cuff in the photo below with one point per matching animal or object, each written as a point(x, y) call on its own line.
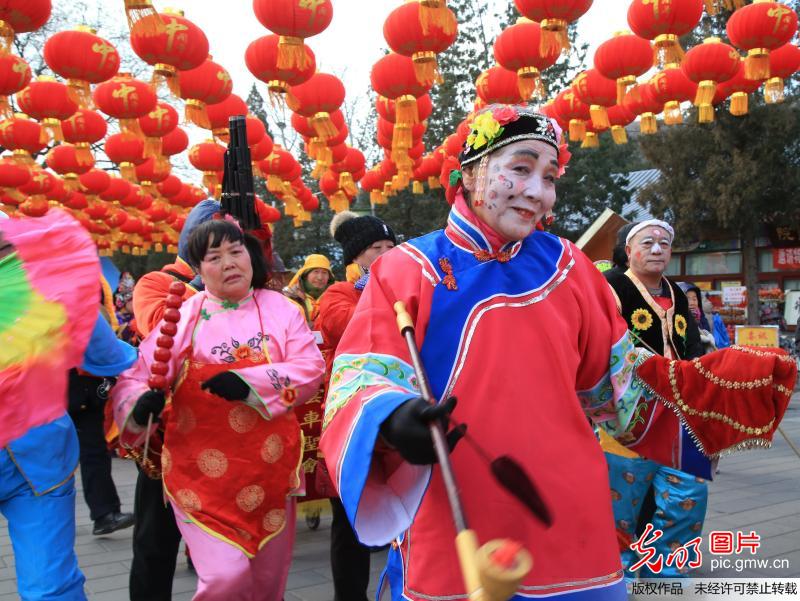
point(254, 399)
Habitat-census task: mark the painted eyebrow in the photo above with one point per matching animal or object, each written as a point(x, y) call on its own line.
point(526, 153)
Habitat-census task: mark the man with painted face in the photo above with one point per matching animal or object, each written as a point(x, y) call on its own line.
point(670, 492)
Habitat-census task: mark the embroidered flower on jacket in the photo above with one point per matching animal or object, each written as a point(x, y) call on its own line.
point(485, 128)
point(680, 325)
point(641, 320)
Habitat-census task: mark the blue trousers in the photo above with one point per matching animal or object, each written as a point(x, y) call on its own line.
point(681, 501)
point(42, 531)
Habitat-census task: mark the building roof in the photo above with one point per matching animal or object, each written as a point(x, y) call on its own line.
point(632, 210)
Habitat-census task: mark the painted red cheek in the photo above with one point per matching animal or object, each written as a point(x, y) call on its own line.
point(637, 255)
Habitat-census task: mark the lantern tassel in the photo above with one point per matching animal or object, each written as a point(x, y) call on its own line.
point(197, 114)
point(705, 92)
point(375, 197)
point(590, 140)
point(5, 108)
point(347, 184)
point(623, 85)
point(619, 135)
point(672, 113)
point(530, 83)
point(402, 138)
point(773, 91)
point(291, 53)
point(426, 68)
point(406, 112)
point(667, 50)
point(127, 171)
point(83, 153)
point(599, 116)
point(79, 92)
point(648, 124)
point(435, 14)
point(339, 201)
point(164, 77)
point(554, 36)
point(322, 124)
point(416, 188)
point(433, 183)
point(705, 113)
point(278, 93)
point(152, 147)
point(756, 65)
point(739, 102)
point(577, 130)
point(131, 126)
point(257, 170)
point(143, 16)
point(51, 131)
point(6, 37)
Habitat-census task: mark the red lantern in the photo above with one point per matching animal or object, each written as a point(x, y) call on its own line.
point(175, 142)
point(35, 206)
point(207, 84)
point(518, 49)
point(15, 74)
point(352, 163)
point(316, 99)
point(134, 197)
point(13, 174)
point(58, 191)
point(576, 113)
point(294, 21)
point(95, 181)
point(671, 87)
point(170, 187)
point(640, 100)
point(127, 151)
point(208, 157)
point(783, 62)
point(65, 160)
point(664, 22)
point(21, 16)
point(387, 109)
point(393, 77)
point(22, 135)
point(126, 99)
point(262, 149)
point(116, 191)
point(220, 113)
point(151, 172)
point(84, 128)
point(759, 28)
point(47, 101)
point(599, 93)
point(708, 64)
point(498, 85)
point(261, 59)
point(623, 58)
point(554, 16)
point(40, 183)
point(267, 213)
point(76, 201)
point(180, 45)
point(155, 125)
point(82, 58)
point(116, 217)
point(404, 33)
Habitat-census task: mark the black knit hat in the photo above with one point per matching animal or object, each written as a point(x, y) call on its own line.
point(356, 234)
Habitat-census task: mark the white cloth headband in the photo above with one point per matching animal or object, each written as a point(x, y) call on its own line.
point(650, 223)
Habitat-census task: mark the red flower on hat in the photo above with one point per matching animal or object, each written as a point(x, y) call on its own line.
point(505, 115)
point(564, 155)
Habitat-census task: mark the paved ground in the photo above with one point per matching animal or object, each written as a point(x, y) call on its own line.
point(757, 491)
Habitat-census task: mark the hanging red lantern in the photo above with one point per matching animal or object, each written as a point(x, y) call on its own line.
point(393, 77)
point(518, 49)
point(783, 63)
point(348, 167)
point(175, 142)
point(574, 112)
point(84, 128)
point(35, 206)
point(21, 16)
point(759, 28)
point(134, 197)
point(640, 100)
point(127, 151)
point(82, 58)
point(94, 182)
point(125, 98)
point(708, 64)
point(76, 201)
point(261, 59)
point(116, 217)
point(738, 89)
point(267, 213)
point(58, 191)
point(554, 16)
point(316, 99)
point(65, 160)
point(116, 190)
point(207, 84)
point(155, 125)
point(262, 149)
point(220, 113)
point(623, 58)
point(96, 210)
point(179, 46)
point(13, 174)
point(664, 22)
point(599, 93)
point(15, 74)
point(498, 85)
point(47, 101)
point(387, 108)
point(22, 135)
point(151, 172)
point(293, 21)
point(404, 33)
point(671, 87)
point(170, 187)
point(208, 157)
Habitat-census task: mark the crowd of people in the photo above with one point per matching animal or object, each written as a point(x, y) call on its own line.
point(279, 390)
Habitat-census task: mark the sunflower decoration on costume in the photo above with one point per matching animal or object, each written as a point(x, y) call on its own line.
point(680, 325)
point(641, 320)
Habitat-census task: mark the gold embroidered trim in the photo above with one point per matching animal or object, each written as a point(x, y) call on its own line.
point(752, 351)
point(729, 383)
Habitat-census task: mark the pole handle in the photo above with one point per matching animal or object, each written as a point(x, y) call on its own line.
point(404, 320)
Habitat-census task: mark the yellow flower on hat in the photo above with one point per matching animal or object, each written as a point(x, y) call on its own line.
point(680, 325)
point(485, 128)
point(641, 319)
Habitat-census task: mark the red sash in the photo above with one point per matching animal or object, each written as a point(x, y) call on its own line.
point(229, 469)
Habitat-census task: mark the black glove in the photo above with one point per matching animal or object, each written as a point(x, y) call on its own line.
point(227, 385)
point(407, 429)
point(150, 403)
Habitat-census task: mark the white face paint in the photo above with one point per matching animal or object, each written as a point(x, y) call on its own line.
point(649, 251)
